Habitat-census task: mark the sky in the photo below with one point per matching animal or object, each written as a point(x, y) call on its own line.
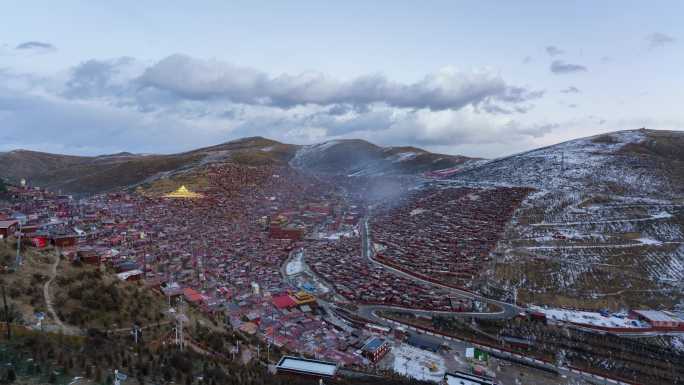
point(477, 78)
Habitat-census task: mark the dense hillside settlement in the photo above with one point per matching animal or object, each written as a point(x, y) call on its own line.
point(531, 269)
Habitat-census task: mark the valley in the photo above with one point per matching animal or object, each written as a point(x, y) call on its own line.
point(317, 250)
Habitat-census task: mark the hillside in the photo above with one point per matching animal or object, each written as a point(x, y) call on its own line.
point(99, 311)
point(605, 227)
point(87, 175)
point(360, 158)
point(630, 162)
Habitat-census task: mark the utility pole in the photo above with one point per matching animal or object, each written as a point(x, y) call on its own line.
point(515, 295)
point(268, 343)
point(7, 315)
point(136, 332)
point(18, 259)
point(182, 315)
point(179, 325)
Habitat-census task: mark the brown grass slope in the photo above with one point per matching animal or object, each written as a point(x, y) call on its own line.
point(665, 149)
point(88, 175)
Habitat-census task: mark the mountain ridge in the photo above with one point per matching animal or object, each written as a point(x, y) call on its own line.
point(83, 175)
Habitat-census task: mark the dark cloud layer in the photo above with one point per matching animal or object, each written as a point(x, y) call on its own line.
point(36, 45)
point(561, 67)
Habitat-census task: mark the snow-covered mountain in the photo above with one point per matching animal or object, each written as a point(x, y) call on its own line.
point(633, 161)
point(605, 227)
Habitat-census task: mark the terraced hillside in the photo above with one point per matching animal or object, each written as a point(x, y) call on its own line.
point(622, 252)
point(605, 227)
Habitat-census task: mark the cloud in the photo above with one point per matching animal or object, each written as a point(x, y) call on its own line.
point(571, 90)
point(658, 39)
point(560, 67)
point(123, 104)
point(185, 77)
point(100, 78)
point(64, 126)
point(36, 46)
point(467, 126)
point(552, 50)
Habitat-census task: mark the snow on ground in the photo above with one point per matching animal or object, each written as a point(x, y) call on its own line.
point(678, 343)
point(417, 211)
point(649, 241)
point(660, 215)
point(320, 286)
point(601, 246)
point(295, 266)
point(590, 318)
point(311, 153)
point(403, 156)
point(339, 234)
point(312, 150)
point(667, 268)
point(473, 197)
point(567, 165)
point(416, 363)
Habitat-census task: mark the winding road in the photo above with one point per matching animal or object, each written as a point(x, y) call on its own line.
point(507, 311)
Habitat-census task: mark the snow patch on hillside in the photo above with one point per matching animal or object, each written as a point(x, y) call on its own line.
point(569, 165)
point(402, 157)
point(312, 151)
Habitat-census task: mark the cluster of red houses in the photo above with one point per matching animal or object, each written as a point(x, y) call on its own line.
point(446, 234)
point(223, 250)
point(42, 218)
point(340, 264)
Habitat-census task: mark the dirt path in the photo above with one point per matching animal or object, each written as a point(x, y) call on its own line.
point(48, 301)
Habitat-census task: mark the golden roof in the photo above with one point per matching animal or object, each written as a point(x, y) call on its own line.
point(183, 193)
point(303, 297)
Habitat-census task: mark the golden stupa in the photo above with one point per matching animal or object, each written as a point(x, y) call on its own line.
point(183, 193)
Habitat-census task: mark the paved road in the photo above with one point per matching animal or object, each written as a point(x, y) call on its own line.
point(507, 310)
